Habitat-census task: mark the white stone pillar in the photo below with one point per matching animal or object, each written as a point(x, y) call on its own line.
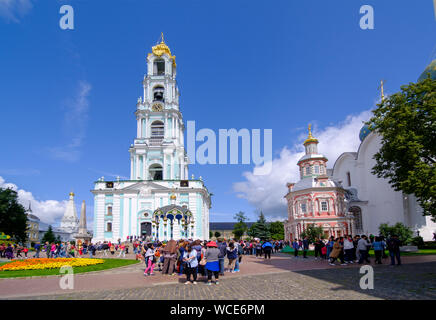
point(138, 128)
point(131, 168)
point(147, 126)
point(137, 167)
point(166, 126)
point(172, 166)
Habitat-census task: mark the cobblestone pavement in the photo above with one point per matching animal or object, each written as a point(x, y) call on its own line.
point(410, 281)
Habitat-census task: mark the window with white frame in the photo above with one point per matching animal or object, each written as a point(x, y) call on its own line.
point(303, 208)
point(109, 227)
point(316, 169)
point(109, 211)
point(307, 170)
point(324, 206)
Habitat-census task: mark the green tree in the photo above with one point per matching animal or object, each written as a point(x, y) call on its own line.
point(260, 228)
point(13, 217)
point(406, 122)
point(48, 236)
point(312, 232)
point(217, 234)
point(240, 227)
point(210, 234)
point(403, 232)
point(277, 230)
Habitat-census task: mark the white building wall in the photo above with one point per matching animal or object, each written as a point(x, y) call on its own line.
point(384, 205)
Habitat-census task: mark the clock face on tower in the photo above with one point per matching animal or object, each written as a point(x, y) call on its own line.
point(156, 107)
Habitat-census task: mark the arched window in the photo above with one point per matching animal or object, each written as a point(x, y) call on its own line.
point(357, 213)
point(158, 93)
point(159, 67)
point(109, 227)
point(156, 172)
point(157, 132)
point(109, 210)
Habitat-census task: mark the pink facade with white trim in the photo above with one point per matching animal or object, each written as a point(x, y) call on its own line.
point(316, 199)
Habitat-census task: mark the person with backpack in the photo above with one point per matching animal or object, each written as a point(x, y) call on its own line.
point(232, 255)
point(394, 245)
point(330, 245)
point(258, 249)
point(362, 247)
point(378, 246)
point(150, 259)
point(348, 249)
point(239, 259)
point(337, 252)
point(92, 249)
point(190, 259)
point(267, 248)
point(296, 247)
point(318, 246)
point(305, 244)
point(222, 246)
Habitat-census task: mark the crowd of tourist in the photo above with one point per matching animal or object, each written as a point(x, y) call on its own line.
point(207, 257)
point(350, 249)
point(200, 257)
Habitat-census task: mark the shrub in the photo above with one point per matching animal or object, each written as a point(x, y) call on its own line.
point(418, 241)
point(403, 232)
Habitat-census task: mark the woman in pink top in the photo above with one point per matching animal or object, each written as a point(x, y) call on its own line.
point(52, 250)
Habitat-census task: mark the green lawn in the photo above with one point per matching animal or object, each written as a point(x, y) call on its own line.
point(108, 264)
point(421, 252)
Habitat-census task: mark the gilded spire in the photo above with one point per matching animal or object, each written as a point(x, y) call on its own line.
point(161, 48)
point(310, 138)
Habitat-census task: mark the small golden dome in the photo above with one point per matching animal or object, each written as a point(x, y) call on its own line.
point(173, 197)
point(162, 48)
point(71, 194)
point(310, 138)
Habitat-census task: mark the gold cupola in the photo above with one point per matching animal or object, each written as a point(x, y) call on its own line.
point(162, 48)
point(310, 138)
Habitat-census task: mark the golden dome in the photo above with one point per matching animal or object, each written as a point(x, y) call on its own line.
point(310, 138)
point(71, 194)
point(173, 197)
point(161, 48)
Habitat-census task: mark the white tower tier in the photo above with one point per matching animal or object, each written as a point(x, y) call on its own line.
point(158, 169)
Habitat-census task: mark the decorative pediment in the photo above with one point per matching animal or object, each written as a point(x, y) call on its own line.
point(145, 188)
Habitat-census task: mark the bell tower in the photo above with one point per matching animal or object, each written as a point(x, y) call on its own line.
point(158, 151)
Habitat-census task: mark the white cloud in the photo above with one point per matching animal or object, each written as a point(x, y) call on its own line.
point(14, 10)
point(76, 118)
point(49, 211)
point(266, 192)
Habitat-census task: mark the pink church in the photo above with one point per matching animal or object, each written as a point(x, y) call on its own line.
point(316, 199)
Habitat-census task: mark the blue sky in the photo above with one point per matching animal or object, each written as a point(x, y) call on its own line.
point(67, 97)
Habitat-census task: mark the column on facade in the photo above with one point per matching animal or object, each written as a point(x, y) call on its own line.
point(177, 130)
point(166, 126)
point(173, 127)
point(138, 127)
point(164, 167)
point(147, 125)
point(137, 167)
point(131, 167)
point(172, 166)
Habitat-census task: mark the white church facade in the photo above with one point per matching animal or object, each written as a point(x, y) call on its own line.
point(372, 200)
point(159, 201)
